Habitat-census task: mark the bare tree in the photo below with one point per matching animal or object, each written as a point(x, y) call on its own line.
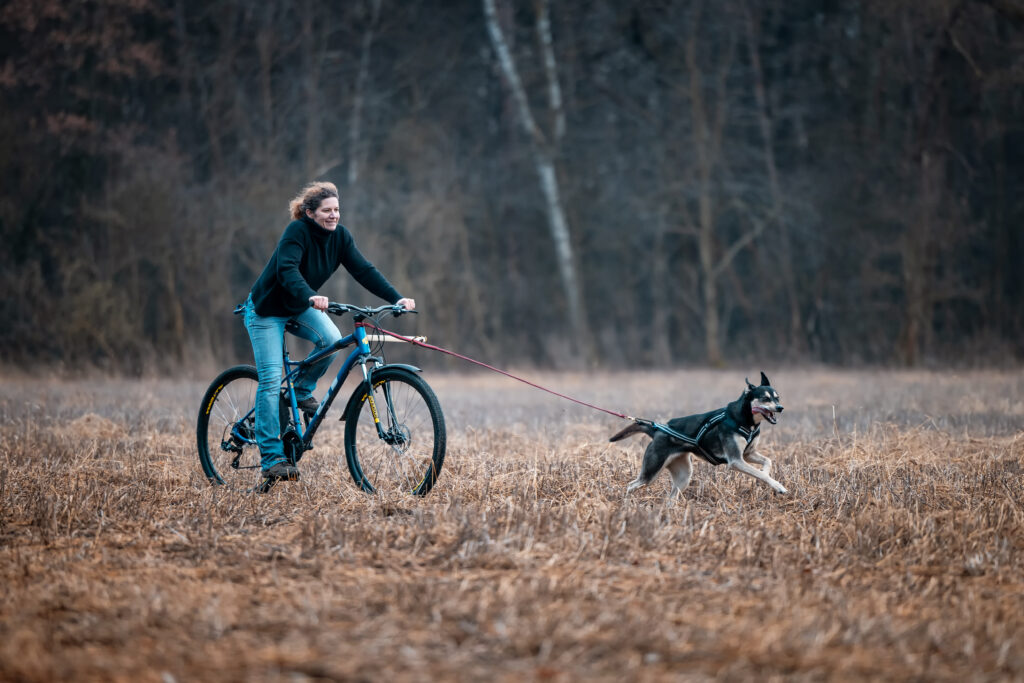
point(356, 148)
point(778, 221)
point(147, 152)
point(544, 148)
point(709, 101)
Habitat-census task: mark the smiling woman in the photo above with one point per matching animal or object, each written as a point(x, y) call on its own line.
point(312, 247)
point(317, 201)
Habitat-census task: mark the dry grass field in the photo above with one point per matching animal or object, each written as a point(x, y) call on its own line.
point(898, 556)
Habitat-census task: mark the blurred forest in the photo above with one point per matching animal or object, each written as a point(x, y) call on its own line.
point(557, 182)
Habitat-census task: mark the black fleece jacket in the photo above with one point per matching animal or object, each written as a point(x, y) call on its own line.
point(304, 258)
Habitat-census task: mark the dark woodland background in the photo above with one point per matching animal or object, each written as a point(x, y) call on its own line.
point(642, 183)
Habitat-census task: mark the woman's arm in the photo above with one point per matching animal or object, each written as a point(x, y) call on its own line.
point(289, 256)
point(365, 273)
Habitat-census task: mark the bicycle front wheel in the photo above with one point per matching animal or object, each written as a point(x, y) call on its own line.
point(394, 434)
point(226, 429)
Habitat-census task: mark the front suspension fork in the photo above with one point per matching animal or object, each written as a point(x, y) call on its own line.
point(368, 378)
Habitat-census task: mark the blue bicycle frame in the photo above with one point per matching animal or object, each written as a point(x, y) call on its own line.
point(292, 369)
point(361, 354)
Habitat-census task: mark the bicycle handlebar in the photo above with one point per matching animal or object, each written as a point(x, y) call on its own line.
point(341, 309)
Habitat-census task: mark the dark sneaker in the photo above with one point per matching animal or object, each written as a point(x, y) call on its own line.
point(308, 405)
point(282, 470)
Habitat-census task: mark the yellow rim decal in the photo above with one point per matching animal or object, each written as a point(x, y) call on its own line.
point(209, 406)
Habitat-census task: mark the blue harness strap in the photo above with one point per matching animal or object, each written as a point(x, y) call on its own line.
point(695, 440)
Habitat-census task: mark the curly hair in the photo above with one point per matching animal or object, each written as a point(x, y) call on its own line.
point(310, 198)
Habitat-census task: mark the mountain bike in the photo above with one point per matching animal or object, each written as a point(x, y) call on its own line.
point(394, 436)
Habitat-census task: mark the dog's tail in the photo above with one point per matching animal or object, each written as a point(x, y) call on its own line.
point(635, 428)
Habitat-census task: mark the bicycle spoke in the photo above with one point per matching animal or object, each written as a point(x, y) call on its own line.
point(409, 454)
point(227, 449)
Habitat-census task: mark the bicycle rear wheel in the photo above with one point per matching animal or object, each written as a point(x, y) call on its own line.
point(226, 429)
point(409, 455)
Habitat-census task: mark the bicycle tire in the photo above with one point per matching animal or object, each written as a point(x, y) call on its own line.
point(411, 416)
point(226, 439)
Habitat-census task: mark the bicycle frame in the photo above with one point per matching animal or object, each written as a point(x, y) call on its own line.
point(360, 355)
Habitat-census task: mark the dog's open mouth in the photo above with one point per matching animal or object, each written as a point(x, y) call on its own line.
point(765, 413)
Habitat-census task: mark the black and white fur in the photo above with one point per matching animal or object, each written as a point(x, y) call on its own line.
point(724, 440)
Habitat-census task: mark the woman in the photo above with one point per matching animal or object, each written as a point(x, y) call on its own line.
point(310, 250)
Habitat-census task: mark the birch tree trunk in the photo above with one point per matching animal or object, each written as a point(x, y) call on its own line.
point(544, 155)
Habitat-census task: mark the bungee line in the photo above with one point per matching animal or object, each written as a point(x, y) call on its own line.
point(418, 341)
point(691, 440)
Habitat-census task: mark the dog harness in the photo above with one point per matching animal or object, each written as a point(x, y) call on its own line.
point(748, 434)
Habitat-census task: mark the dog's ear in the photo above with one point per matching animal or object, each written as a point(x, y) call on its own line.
point(750, 387)
point(764, 380)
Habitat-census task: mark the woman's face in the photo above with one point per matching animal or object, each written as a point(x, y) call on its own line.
point(327, 214)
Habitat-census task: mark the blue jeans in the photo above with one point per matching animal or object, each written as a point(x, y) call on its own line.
point(267, 336)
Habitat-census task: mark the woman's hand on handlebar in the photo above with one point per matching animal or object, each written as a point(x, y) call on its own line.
point(319, 302)
point(407, 304)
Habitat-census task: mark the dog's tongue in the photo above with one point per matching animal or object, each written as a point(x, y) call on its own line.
point(767, 414)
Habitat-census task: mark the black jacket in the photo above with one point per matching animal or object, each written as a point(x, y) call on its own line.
point(304, 258)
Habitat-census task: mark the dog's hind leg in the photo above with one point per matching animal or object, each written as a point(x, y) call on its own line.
point(654, 459)
point(681, 469)
point(634, 485)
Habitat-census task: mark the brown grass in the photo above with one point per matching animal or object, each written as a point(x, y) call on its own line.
point(899, 556)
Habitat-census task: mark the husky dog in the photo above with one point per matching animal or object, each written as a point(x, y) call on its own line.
point(724, 436)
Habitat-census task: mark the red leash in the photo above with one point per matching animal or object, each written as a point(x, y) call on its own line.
point(416, 342)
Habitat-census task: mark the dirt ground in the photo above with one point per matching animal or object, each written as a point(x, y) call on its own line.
point(898, 555)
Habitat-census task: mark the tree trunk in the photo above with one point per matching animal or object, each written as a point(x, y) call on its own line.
point(544, 162)
point(778, 220)
point(918, 305)
point(709, 284)
point(705, 213)
point(266, 48)
point(311, 69)
point(355, 128)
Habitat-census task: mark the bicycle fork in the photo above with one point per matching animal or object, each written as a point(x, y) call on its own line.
point(392, 435)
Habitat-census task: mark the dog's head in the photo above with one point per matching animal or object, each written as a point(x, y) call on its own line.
point(764, 401)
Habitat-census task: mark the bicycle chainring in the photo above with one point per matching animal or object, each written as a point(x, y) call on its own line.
point(293, 448)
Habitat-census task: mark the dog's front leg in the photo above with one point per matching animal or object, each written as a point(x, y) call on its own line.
point(758, 459)
point(735, 457)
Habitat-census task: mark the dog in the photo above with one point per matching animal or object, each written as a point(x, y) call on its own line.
point(727, 436)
